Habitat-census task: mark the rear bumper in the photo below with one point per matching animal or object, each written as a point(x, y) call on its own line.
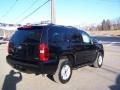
point(38, 68)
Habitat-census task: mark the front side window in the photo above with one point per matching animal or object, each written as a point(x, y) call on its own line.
point(86, 38)
point(75, 36)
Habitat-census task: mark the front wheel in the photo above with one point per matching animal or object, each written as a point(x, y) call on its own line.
point(99, 61)
point(64, 71)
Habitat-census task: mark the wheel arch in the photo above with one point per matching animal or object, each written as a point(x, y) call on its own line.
point(70, 56)
point(102, 52)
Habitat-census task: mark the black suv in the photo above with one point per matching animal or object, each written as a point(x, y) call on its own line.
point(53, 50)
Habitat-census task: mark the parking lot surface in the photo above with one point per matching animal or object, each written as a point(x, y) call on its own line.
point(85, 78)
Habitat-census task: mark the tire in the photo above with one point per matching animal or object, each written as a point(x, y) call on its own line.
point(63, 72)
point(99, 61)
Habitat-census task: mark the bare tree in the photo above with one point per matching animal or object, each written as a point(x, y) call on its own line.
point(108, 25)
point(118, 23)
point(104, 25)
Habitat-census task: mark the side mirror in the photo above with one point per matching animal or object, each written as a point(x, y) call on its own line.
point(94, 41)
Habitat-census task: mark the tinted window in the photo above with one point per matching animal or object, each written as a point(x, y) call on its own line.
point(86, 38)
point(26, 36)
point(55, 35)
point(75, 36)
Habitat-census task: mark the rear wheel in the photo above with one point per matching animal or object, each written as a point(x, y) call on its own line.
point(64, 71)
point(99, 61)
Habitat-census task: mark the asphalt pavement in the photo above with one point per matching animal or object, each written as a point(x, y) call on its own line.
point(85, 78)
point(108, 39)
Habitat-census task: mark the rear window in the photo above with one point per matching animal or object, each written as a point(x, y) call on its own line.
point(22, 36)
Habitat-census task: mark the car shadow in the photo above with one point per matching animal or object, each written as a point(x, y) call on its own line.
point(117, 85)
point(50, 77)
point(11, 80)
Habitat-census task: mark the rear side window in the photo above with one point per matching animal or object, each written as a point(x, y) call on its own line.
point(55, 35)
point(21, 36)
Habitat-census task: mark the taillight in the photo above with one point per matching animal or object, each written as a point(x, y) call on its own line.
point(10, 48)
point(44, 52)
